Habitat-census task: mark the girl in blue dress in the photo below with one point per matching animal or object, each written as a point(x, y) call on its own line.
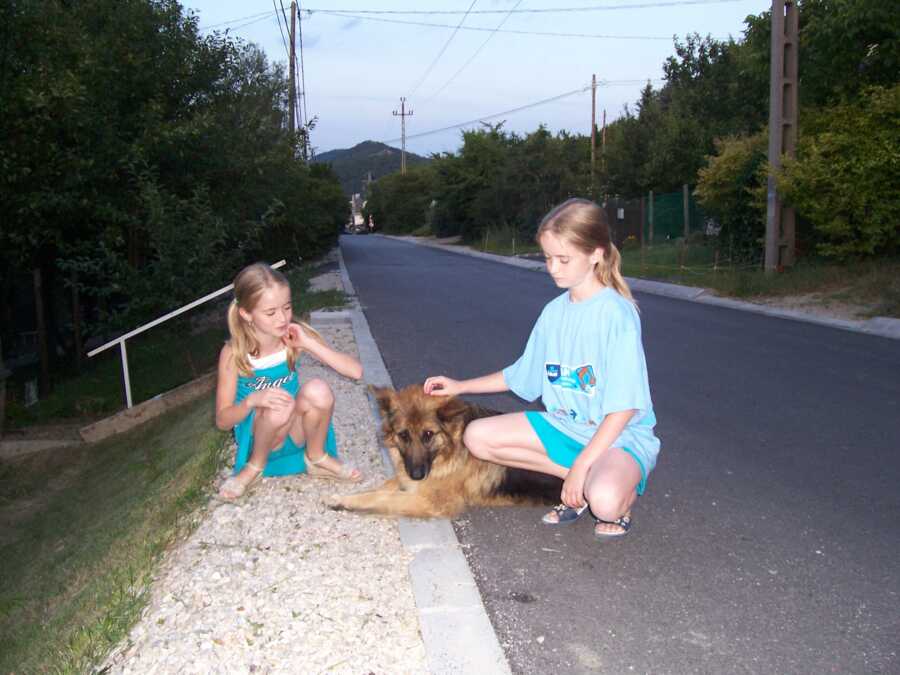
point(280, 427)
point(585, 360)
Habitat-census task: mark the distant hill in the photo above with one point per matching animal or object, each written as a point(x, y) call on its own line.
point(352, 165)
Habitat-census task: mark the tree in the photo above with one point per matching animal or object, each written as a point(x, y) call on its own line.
point(845, 177)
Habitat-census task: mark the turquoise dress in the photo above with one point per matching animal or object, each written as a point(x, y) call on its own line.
point(272, 371)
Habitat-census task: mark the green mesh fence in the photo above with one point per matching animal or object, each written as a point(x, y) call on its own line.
point(668, 216)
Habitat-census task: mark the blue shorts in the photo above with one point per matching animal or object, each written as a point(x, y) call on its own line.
point(563, 450)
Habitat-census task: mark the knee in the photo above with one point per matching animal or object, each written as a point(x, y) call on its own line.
point(317, 394)
point(475, 439)
point(606, 501)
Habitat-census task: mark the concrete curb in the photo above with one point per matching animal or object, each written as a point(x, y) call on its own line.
point(456, 631)
point(882, 326)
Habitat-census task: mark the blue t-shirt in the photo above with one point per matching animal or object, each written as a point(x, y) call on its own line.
point(585, 360)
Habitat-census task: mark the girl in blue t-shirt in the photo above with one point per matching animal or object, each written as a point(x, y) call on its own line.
point(584, 358)
point(280, 427)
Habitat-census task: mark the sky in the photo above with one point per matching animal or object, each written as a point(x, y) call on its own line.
point(358, 65)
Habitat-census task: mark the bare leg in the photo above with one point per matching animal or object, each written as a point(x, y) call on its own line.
point(611, 488)
point(510, 440)
point(315, 405)
point(270, 428)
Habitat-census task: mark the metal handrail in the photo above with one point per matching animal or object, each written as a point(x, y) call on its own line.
point(147, 326)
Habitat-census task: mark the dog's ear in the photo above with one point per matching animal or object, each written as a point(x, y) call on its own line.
point(455, 409)
point(385, 398)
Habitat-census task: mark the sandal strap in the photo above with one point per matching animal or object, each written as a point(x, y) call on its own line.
point(317, 461)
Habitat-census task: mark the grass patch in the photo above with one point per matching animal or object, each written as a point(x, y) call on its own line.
point(159, 360)
point(83, 529)
point(873, 285)
point(506, 241)
point(424, 231)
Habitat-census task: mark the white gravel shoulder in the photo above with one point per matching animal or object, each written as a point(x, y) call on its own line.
point(282, 585)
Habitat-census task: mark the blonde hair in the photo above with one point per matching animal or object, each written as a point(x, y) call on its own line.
point(249, 285)
point(584, 225)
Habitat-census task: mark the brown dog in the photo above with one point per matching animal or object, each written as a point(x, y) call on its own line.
point(435, 474)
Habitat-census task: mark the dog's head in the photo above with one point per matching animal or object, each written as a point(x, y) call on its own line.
point(423, 429)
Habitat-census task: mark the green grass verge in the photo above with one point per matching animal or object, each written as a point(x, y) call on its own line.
point(158, 361)
point(83, 529)
point(505, 241)
point(871, 284)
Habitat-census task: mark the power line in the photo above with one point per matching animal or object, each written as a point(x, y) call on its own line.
point(601, 83)
point(546, 10)
point(443, 49)
point(594, 36)
point(499, 114)
point(255, 17)
point(283, 39)
point(477, 52)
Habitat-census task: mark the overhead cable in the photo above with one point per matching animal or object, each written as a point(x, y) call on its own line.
point(543, 10)
point(594, 36)
point(600, 83)
point(443, 49)
point(492, 116)
point(477, 52)
point(243, 18)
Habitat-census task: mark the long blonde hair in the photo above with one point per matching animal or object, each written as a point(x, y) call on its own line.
point(583, 224)
point(249, 285)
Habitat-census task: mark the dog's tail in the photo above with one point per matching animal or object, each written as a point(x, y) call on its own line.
point(524, 485)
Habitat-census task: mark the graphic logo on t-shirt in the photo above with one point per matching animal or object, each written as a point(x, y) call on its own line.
point(577, 378)
point(263, 382)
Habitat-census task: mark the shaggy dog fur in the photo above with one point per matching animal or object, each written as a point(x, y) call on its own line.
point(435, 474)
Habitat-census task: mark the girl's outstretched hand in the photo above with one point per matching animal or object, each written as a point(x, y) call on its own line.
point(442, 386)
point(293, 337)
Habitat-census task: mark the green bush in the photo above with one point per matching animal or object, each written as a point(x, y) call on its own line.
point(732, 189)
point(845, 177)
point(400, 203)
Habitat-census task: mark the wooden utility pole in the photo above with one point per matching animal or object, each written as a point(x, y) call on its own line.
point(783, 82)
point(593, 130)
point(403, 114)
point(292, 86)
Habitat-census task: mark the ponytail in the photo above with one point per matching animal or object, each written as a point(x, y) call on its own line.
point(243, 340)
point(609, 273)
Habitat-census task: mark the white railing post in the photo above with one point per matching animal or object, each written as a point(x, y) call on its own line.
point(125, 374)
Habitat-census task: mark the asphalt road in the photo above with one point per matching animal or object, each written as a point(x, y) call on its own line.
point(768, 540)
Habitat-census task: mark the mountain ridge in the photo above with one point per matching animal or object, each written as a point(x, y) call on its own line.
point(352, 165)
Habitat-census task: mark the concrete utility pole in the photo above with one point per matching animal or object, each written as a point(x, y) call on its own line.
point(292, 87)
point(593, 129)
point(403, 114)
point(783, 82)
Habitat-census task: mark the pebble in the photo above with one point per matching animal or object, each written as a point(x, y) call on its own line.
point(280, 584)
